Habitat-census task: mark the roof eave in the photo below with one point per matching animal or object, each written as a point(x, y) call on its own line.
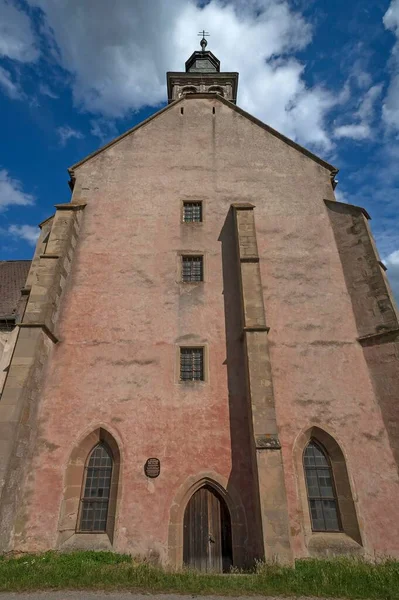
point(333, 170)
point(45, 221)
point(120, 137)
point(201, 54)
point(346, 205)
point(274, 132)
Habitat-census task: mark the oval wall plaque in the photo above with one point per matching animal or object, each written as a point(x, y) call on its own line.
point(152, 467)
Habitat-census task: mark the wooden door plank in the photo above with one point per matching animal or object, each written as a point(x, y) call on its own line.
point(203, 534)
point(207, 532)
point(215, 541)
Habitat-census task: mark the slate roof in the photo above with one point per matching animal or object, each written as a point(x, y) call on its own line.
point(13, 274)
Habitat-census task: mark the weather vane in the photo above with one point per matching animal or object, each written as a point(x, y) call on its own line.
point(203, 42)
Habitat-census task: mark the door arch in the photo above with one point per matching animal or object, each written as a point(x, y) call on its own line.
point(207, 543)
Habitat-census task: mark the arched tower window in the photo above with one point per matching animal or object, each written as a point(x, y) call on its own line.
point(96, 490)
point(189, 90)
point(322, 496)
point(216, 89)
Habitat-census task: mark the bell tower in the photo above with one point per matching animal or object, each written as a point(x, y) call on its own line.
point(202, 76)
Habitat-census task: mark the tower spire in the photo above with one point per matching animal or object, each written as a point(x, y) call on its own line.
point(202, 76)
point(203, 42)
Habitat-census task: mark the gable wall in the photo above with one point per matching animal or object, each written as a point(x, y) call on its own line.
point(126, 313)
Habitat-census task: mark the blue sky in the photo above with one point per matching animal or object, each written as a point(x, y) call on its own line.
point(75, 74)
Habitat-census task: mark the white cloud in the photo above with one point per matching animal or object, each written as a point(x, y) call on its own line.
point(391, 103)
point(9, 87)
point(392, 263)
point(393, 258)
point(119, 58)
point(104, 129)
point(359, 70)
point(46, 91)
point(341, 196)
point(363, 116)
point(25, 232)
point(356, 132)
point(16, 37)
point(66, 133)
point(11, 192)
point(363, 79)
point(367, 106)
point(391, 17)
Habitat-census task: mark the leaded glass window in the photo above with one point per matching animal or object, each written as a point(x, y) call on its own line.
point(191, 364)
point(322, 496)
point(192, 212)
point(192, 268)
point(97, 486)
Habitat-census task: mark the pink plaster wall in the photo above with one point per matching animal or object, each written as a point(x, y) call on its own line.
point(125, 314)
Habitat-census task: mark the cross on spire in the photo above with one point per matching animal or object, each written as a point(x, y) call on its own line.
point(203, 42)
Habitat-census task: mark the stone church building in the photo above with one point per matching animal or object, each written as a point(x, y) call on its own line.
point(200, 365)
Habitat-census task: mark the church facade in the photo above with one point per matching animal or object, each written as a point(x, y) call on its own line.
point(202, 367)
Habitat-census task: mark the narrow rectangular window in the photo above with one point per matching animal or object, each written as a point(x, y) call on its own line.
point(192, 268)
point(192, 364)
point(192, 212)
point(7, 324)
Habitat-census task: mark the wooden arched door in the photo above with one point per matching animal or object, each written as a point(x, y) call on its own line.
point(207, 532)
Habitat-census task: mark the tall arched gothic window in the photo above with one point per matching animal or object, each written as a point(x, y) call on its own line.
point(96, 490)
point(321, 491)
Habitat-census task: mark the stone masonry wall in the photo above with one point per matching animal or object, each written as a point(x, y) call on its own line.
point(373, 304)
point(374, 307)
point(36, 335)
point(126, 313)
point(266, 449)
point(7, 343)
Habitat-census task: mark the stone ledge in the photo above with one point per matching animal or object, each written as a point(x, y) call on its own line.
point(348, 207)
point(243, 205)
point(383, 267)
point(325, 544)
point(249, 259)
point(45, 221)
point(44, 328)
point(267, 441)
point(256, 328)
point(192, 382)
point(382, 337)
point(70, 206)
point(87, 541)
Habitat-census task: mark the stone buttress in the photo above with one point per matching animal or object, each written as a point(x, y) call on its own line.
point(373, 306)
point(36, 337)
point(268, 465)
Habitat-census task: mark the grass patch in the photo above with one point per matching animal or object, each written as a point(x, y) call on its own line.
point(335, 578)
